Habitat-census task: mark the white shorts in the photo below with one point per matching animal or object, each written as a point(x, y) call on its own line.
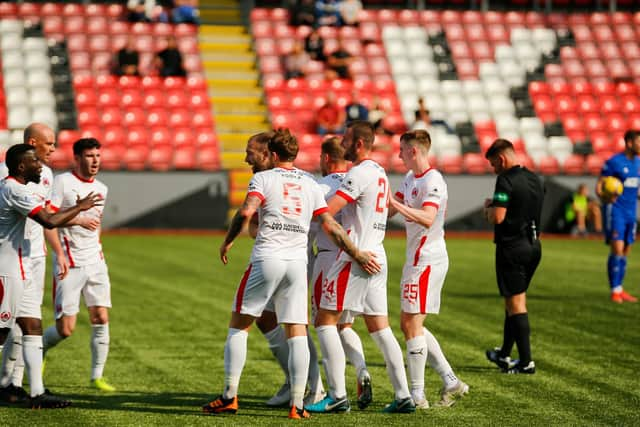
point(281, 282)
point(421, 286)
point(321, 266)
point(31, 303)
point(11, 291)
point(348, 287)
point(92, 281)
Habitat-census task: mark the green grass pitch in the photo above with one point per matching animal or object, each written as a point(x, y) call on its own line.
point(172, 296)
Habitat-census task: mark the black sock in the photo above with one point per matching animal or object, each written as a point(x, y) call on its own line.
point(508, 338)
point(521, 331)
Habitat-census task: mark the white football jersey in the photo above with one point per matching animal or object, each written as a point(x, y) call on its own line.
point(329, 185)
point(42, 191)
point(366, 189)
point(81, 246)
point(425, 245)
point(290, 199)
point(17, 202)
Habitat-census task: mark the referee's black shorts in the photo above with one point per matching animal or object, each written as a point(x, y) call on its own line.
point(516, 261)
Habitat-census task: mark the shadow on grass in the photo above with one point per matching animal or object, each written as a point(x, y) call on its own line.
point(163, 403)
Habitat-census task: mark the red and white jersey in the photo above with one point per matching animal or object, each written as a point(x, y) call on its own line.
point(290, 200)
point(17, 202)
point(425, 245)
point(81, 246)
point(329, 185)
point(42, 191)
point(366, 189)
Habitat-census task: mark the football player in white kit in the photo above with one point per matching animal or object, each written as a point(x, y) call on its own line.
point(17, 202)
point(42, 138)
point(363, 198)
point(422, 201)
point(286, 199)
point(88, 274)
point(334, 168)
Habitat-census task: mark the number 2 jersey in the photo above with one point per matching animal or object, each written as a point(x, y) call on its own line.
point(425, 245)
point(81, 246)
point(290, 200)
point(366, 189)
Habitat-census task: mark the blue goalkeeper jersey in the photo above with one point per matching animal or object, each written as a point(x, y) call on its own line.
point(628, 172)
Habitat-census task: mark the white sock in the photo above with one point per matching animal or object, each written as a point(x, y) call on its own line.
point(235, 355)
point(334, 360)
point(279, 348)
point(11, 352)
point(416, 362)
point(438, 361)
point(353, 349)
point(32, 351)
point(315, 380)
point(392, 353)
point(51, 338)
point(99, 349)
point(298, 368)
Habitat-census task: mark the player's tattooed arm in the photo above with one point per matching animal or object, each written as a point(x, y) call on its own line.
point(242, 216)
point(337, 234)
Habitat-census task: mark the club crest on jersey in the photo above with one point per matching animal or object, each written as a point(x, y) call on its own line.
point(5, 316)
point(46, 182)
point(414, 192)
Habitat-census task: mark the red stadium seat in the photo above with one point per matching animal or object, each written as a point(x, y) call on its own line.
point(207, 158)
point(183, 137)
point(548, 166)
point(157, 117)
point(451, 164)
point(207, 138)
point(110, 117)
point(67, 137)
point(475, 163)
point(135, 157)
point(88, 116)
point(160, 136)
point(61, 159)
point(131, 99)
point(135, 117)
point(573, 165)
point(201, 119)
point(153, 99)
point(601, 142)
point(113, 136)
point(185, 158)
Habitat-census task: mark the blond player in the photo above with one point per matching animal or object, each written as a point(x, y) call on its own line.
point(422, 201)
point(17, 202)
point(88, 274)
point(286, 200)
point(334, 168)
point(363, 198)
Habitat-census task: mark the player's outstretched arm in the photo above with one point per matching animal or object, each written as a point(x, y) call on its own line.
point(243, 215)
point(52, 220)
point(367, 260)
point(424, 216)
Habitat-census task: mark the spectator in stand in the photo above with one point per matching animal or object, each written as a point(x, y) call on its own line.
point(331, 118)
point(349, 10)
point(302, 12)
point(169, 60)
point(355, 110)
point(314, 46)
point(145, 11)
point(185, 12)
point(328, 13)
point(128, 59)
point(377, 113)
point(339, 61)
point(582, 209)
point(423, 120)
point(295, 63)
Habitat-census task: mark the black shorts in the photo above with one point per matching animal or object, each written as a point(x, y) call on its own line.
point(515, 264)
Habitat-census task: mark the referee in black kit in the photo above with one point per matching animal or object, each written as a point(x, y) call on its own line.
point(515, 212)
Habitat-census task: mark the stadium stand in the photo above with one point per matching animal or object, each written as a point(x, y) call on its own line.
point(57, 68)
point(562, 86)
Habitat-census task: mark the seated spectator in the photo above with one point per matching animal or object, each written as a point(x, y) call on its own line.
point(328, 13)
point(295, 63)
point(314, 46)
point(377, 113)
point(169, 60)
point(349, 10)
point(580, 210)
point(128, 60)
point(330, 117)
point(355, 110)
point(424, 122)
point(145, 11)
point(303, 12)
point(339, 61)
point(185, 12)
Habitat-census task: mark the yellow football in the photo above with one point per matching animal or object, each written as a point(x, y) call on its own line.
point(611, 187)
